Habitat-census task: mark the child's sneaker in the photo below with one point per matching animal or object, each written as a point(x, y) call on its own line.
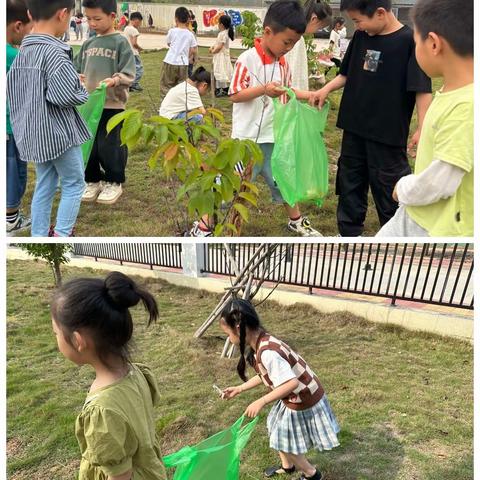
point(303, 227)
point(196, 231)
point(110, 194)
point(21, 223)
point(91, 191)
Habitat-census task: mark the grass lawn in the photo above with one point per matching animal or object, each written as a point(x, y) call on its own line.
point(404, 400)
point(148, 206)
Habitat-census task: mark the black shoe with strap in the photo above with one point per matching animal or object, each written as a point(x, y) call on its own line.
point(316, 476)
point(278, 470)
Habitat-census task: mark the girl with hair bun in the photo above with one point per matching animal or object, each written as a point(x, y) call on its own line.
point(185, 97)
point(222, 64)
point(301, 417)
point(116, 427)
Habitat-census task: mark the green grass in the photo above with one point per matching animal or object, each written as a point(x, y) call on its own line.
point(404, 400)
point(148, 206)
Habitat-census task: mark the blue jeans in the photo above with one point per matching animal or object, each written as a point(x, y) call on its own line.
point(16, 175)
point(265, 170)
point(138, 71)
point(68, 167)
point(198, 118)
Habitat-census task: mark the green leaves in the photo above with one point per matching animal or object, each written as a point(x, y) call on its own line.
point(197, 156)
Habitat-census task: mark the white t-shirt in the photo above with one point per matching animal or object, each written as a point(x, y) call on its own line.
point(335, 37)
point(181, 40)
point(278, 369)
point(174, 101)
point(131, 33)
point(298, 61)
point(254, 68)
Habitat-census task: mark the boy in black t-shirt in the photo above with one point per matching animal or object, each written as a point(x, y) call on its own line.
point(382, 83)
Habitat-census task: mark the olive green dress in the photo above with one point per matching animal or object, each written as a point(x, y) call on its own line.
point(116, 429)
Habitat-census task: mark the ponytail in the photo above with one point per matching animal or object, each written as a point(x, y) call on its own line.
point(102, 308)
point(241, 313)
point(200, 75)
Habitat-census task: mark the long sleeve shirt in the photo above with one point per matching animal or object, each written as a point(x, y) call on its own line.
point(43, 91)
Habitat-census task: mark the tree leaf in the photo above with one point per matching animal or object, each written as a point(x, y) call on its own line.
point(171, 152)
point(242, 210)
point(118, 118)
point(232, 227)
point(249, 197)
point(161, 134)
point(251, 186)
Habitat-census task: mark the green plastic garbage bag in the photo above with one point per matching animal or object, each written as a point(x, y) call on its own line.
point(91, 111)
point(299, 158)
point(217, 457)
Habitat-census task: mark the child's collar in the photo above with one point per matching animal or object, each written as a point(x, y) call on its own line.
point(266, 59)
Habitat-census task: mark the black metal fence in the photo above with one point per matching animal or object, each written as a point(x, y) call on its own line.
point(429, 273)
point(153, 254)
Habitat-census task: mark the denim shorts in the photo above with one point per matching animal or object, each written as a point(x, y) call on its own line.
point(16, 175)
point(265, 170)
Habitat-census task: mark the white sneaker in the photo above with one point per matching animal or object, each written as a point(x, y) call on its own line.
point(110, 194)
point(196, 231)
point(22, 223)
point(91, 191)
point(303, 227)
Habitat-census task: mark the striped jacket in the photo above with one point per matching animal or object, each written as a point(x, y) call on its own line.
point(43, 90)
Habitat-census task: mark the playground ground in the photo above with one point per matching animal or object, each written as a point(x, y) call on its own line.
point(404, 400)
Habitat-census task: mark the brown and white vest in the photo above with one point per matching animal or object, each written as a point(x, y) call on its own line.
point(309, 390)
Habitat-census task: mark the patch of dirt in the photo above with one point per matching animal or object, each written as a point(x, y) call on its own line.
point(55, 472)
point(14, 447)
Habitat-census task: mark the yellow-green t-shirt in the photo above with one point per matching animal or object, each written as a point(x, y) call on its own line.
point(447, 135)
point(116, 429)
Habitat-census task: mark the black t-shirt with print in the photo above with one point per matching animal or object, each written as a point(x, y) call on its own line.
point(383, 78)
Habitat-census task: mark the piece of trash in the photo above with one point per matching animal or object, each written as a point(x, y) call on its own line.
point(218, 390)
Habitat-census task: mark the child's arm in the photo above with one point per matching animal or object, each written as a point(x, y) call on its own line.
point(439, 181)
point(64, 88)
point(135, 44)
point(231, 392)
point(277, 393)
point(126, 67)
point(319, 97)
point(423, 101)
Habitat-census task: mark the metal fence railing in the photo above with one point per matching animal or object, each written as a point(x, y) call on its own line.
point(153, 254)
point(429, 273)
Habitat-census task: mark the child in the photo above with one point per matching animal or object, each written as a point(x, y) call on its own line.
point(18, 25)
point(222, 65)
point(132, 33)
point(334, 45)
point(116, 427)
point(382, 83)
point(185, 97)
point(318, 15)
point(106, 58)
point(43, 87)
point(437, 200)
point(301, 418)
point(182, 46)
point(260, 74)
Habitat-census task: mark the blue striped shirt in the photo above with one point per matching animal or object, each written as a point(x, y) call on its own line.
point(43, 90)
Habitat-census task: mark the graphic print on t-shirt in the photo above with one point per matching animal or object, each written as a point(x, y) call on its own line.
point(372, 59)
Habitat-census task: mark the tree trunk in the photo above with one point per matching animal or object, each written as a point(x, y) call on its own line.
point(57, 273)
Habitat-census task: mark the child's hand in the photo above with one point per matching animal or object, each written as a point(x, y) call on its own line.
point(231, 392)
point(254, 408)
point(412, 146)
point(318, 98)
point(274, 89)
point(82, 78)
point(394, 194)
point(109, 82)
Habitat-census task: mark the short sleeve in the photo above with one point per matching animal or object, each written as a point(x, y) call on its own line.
point(454, 137)
point(417, 80)
point(106, 441)
point(240, 78)
point(278, 369)
point(169, 37)
point(147, 373)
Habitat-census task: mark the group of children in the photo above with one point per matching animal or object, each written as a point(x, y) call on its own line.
point(384, 75)
point(116, 426)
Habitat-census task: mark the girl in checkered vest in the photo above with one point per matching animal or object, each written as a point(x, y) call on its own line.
point(301, 417)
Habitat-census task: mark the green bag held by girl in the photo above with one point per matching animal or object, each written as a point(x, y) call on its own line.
point(91, 112)
point(299, 158)
point(217, 457)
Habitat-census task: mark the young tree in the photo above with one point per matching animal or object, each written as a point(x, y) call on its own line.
point(55, 254)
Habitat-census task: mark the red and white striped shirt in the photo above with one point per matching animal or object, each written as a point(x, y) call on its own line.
point(254, 67)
